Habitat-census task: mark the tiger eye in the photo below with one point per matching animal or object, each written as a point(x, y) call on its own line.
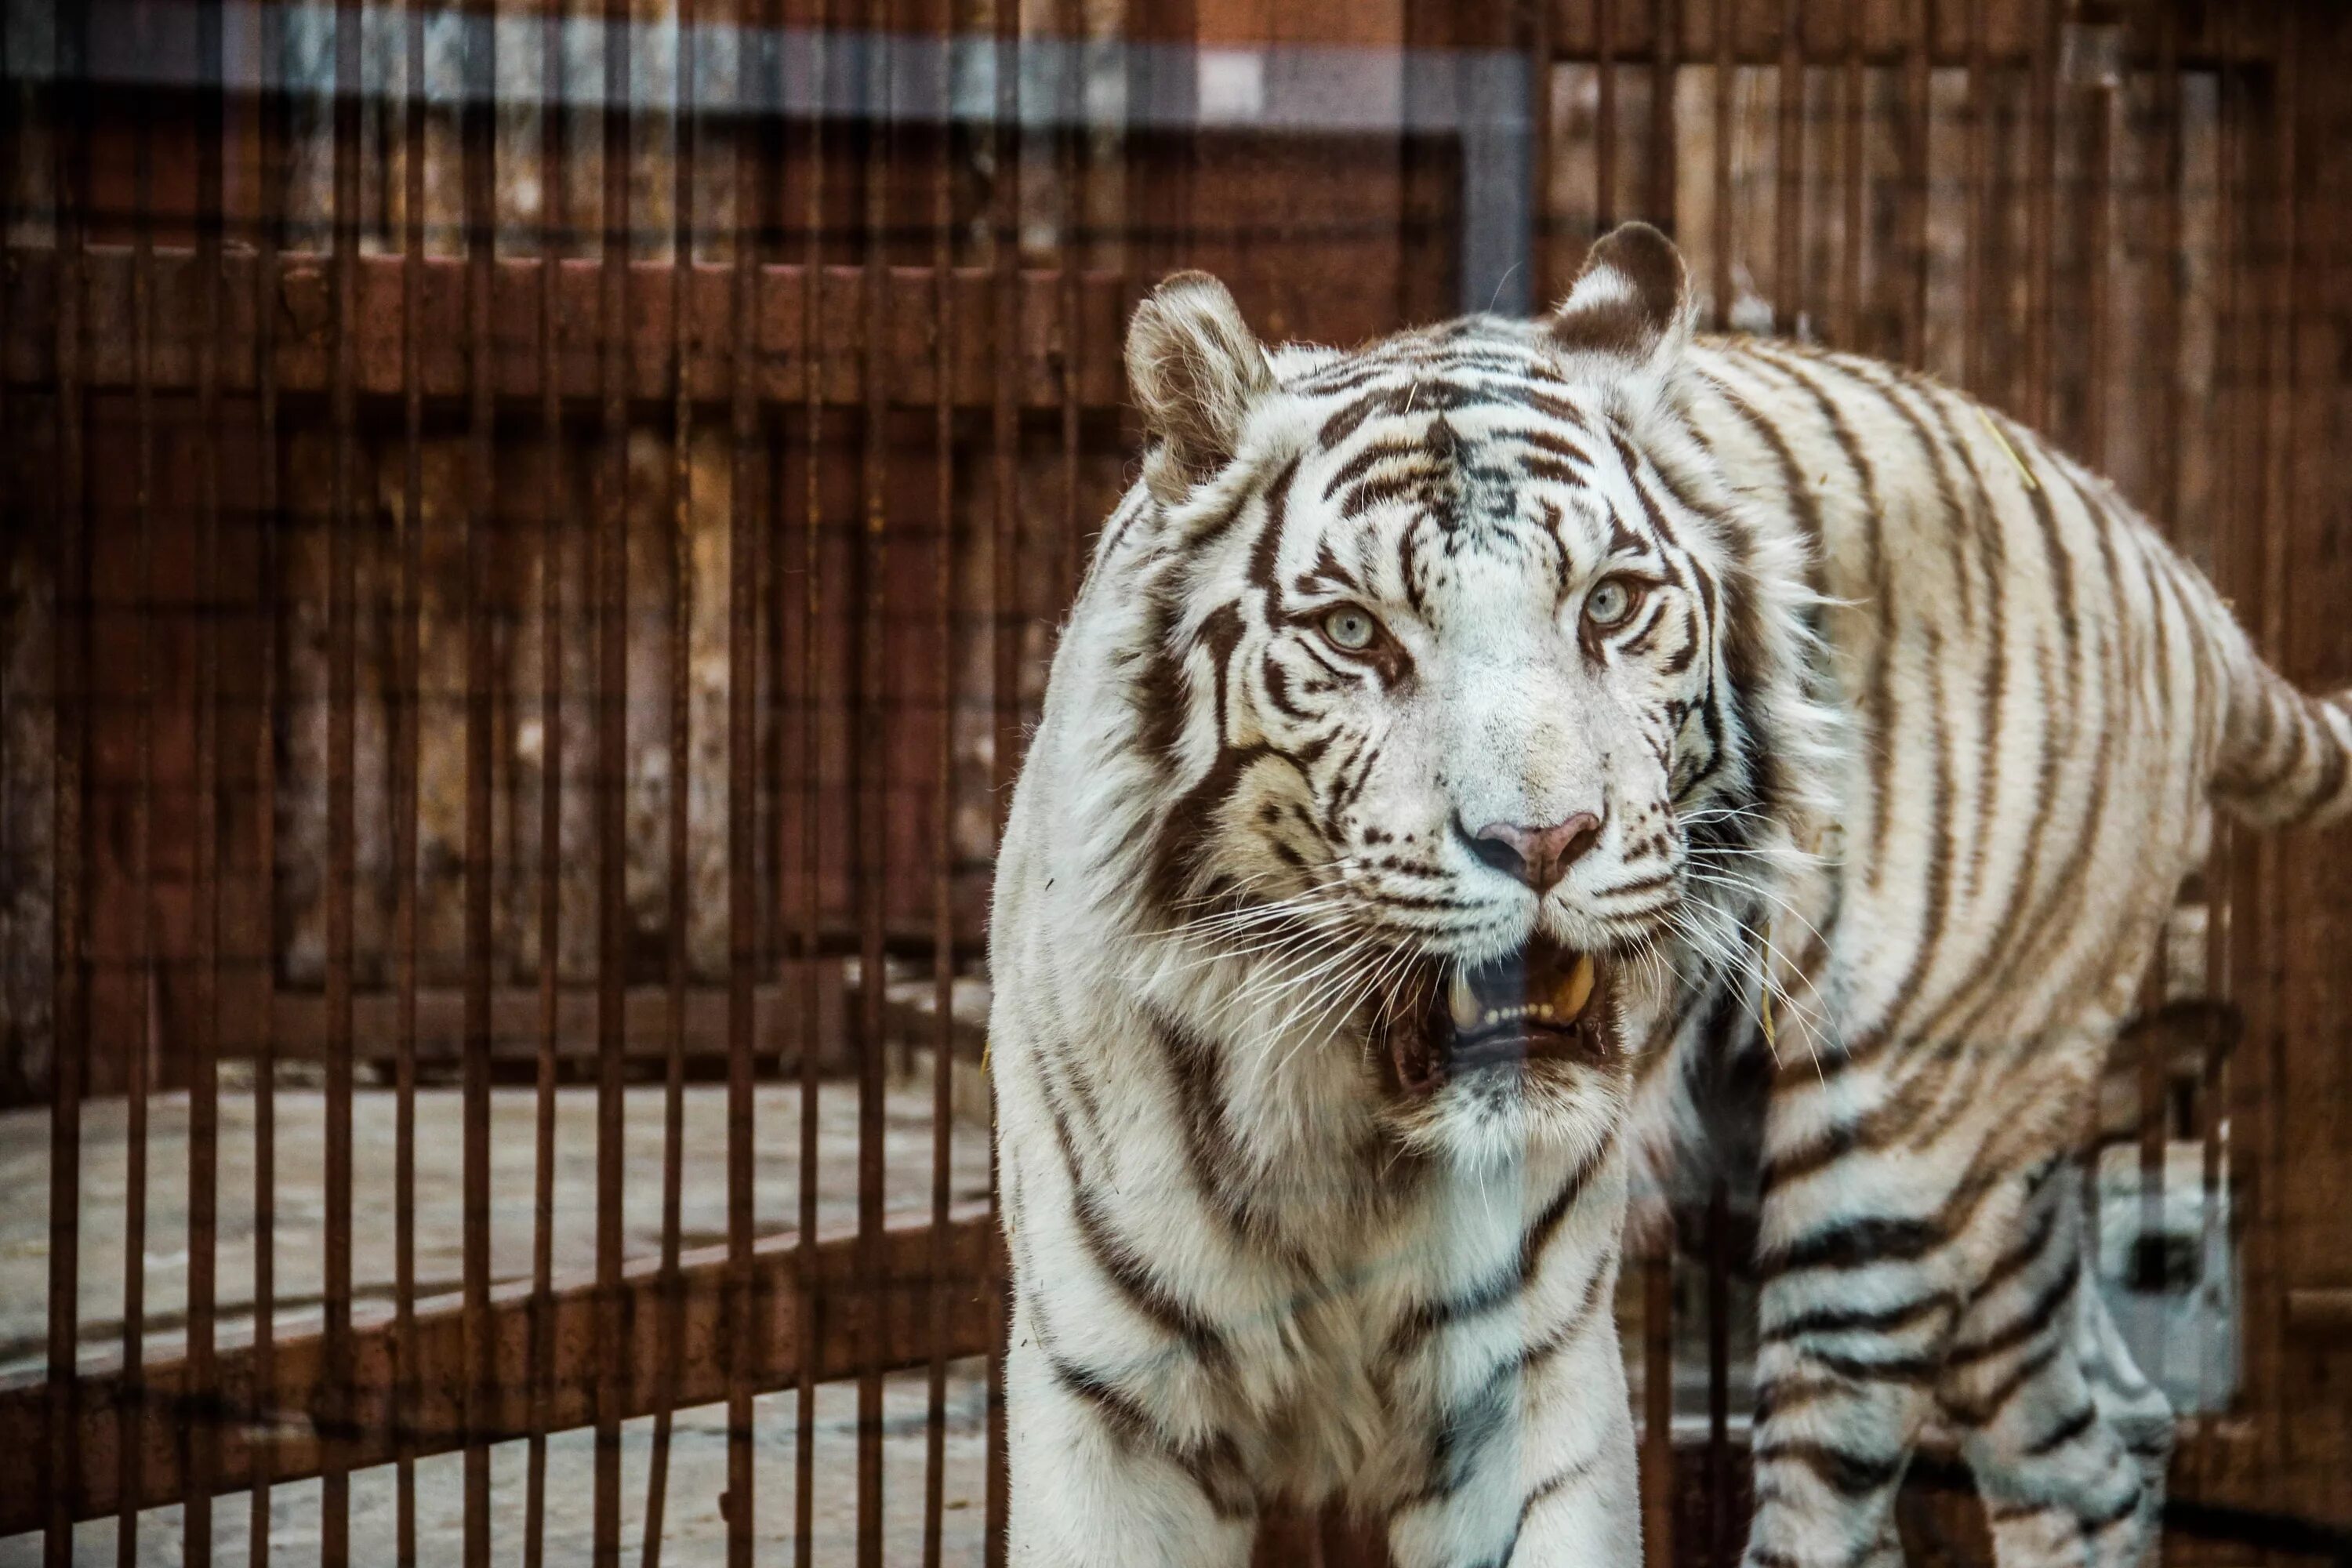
point(1609, 603)
point(1349, 627)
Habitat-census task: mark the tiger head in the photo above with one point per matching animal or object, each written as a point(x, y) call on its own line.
point(1456, 667)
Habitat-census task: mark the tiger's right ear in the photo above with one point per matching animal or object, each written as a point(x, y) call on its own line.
point(1631, 303)
point(1196, 368)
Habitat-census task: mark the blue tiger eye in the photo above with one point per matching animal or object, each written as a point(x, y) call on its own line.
point(1608, 604)
point(1350, 628)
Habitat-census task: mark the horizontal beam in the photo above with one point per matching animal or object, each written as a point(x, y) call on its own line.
point(784, 348)
point(298, 1020)
point(893, 1326)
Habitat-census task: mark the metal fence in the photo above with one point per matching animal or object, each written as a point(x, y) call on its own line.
point(533, 533)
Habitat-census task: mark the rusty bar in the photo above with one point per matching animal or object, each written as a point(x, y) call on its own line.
point(1004, 635)
point(407, 697)
point(810, 973)
point(943, 857)
point(555, 213)
point(1789, 170)
point(1540, 223)
point(271, 140)
point(1721, 1550)
point(612, 1327)
point(1657, 1457)
point(540, 1348)
point(140, 1047)
point(2280, 365)
point(745, 570)
point(869, 789)
point(1726, 21)
point(681, 753)
point(2041, 215)
point(2167, 302)
point(1918, 106)
point(1976, 204)
point(437, 1425)
point(479, 176)
point(59, 1448)
point(1665, 149)
point(201, 1439)
point(2098, 233)
point(335, 1393)
point(1604, 127)
point(1852, 153)
point(1070, 327)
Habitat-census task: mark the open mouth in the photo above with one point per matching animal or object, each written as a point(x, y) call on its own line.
point(1543, 1002)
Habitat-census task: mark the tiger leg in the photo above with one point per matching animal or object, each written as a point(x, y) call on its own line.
point(1535, 1462)
point(1514, 1438)
point(1863, 1259)
point(2066, 1440)
point(1094, 1479)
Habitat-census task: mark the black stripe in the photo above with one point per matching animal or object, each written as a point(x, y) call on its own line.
point(1843, 1471)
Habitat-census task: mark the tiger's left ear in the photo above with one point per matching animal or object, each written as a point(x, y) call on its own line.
point(1631, 303)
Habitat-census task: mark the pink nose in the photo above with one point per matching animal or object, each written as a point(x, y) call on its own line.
point(1540, 857)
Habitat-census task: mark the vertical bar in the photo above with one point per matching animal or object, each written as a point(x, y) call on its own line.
point(812, 807)
point(334, 1497)
point(1721, 1548)
point(745, 571)
point(1665, 150)
point(1918, 112)
point(1789, 169)
point(870, 835)
point(1725, 22)
point(61, 1453)
point(554, 214)
point(407, 764)
point(138, 1055)
point(1657, 1457)
point(681, 760)
point(478, 153)
point(2280, 532)
point(1853, 153)
point(202, 1435)
point(261, 1445)
point(612, 780)
point(1978, 205)
point(1540, 134)
point(943, 923)
point(1073, 259)
point(2097, 234)
point(2041, 214)
point(1004, 608)
point(1604, 128)
point(2225, 869)
point(2166, 301)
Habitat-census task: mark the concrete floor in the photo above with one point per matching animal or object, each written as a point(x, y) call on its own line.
point(694, 1533)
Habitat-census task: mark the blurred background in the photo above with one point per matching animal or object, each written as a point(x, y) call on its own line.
point(532, 534)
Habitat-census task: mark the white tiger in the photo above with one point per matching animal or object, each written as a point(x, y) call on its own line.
point(1453, 741)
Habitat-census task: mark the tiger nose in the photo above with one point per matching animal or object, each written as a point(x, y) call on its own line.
point(1540, 857)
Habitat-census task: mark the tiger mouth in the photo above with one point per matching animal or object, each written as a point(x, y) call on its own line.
point(1543, 1002)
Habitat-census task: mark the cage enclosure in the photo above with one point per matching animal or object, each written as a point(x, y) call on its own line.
point(533, 533)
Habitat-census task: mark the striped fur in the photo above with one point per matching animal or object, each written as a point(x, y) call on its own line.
point(1912, 725)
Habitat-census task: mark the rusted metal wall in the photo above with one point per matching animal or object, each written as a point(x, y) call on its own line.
point(530, 563)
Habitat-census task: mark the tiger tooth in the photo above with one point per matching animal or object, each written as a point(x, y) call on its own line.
point(1461, 1002)
point(1572, 996)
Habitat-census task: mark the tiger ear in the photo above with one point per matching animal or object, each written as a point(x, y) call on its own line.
point(1631, 303)
point(1196, 368)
